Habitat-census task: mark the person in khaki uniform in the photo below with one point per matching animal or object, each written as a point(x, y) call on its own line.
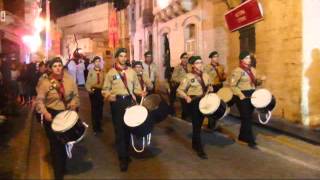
point(216, 71)
point(56, 93)
point(192, 88)
point(144, 80)
point(93, 85)
point(178, 74)
point(217, 76)
point(150, 68)
point(120, 85)
point(243, 83)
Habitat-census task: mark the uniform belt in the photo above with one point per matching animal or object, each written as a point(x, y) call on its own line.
point(123, 96)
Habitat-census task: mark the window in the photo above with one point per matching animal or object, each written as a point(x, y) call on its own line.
point(248, 40)
point(190, 39)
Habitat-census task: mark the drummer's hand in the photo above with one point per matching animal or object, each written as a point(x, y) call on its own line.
point(72, 107)
point(188, 99)
point(242, 97)
point(47, 116)
point(144, 93)
point(112, 98)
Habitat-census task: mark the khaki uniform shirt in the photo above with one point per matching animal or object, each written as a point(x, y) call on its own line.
point(214, 78)
point(147, 82)
point(153, 71)
point(190, 86)
point(48, 96)
point(240, 81)
point(178, 74)
point(113, 84)
point(92, 79)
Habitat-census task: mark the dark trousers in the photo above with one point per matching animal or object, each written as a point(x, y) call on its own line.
point(96, 100)
point(121, 130)
point(246, 110)
point(197, 120)
point(57, 149)
point(185, 109)
point(212, 121)
point(173, 96)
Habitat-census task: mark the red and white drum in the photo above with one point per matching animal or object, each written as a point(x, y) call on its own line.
point(264, 102)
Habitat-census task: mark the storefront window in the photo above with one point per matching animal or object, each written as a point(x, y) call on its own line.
point(190, 39)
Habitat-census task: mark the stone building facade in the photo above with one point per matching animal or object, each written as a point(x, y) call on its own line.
point(285, 43)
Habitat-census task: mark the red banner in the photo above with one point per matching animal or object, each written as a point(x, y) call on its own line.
point(245, 14)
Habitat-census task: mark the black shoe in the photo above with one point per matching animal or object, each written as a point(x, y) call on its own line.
point(202, 154)
point(253, 145)
point(124, 165)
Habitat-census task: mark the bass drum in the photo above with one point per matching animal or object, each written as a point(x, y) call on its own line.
point(212, 106)
point(68, 127)
point(264, 102)
point(157, 107)
point(138, 120)
point(227, 96)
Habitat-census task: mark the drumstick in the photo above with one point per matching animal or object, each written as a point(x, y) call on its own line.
point(144, 90)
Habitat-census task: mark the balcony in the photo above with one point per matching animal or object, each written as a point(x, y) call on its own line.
point(174, 9)
point(147, 17)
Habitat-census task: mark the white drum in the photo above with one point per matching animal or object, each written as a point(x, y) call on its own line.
point(226, 95)
point(264, 102)
point(212, 105)
point(135, 116)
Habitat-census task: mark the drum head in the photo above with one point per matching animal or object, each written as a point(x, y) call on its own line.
point(64, 121)
point(152, 102)
point(225, 94)
point(209, 104)
point(261, 98)
point(135, 115)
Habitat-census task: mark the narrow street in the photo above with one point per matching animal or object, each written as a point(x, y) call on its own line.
point(171, 157)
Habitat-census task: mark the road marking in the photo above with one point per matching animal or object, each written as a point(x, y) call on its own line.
point(288, 158)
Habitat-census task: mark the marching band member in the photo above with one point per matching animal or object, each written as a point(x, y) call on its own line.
point(144, 80)
point(243, 82)
point(178, 74)
point(150, 68)
point(192, 88)
point(217, 76)
point(55, 93)
point(120, 85)
point(93, 86)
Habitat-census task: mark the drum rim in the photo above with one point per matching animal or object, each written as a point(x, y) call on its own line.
point(201, 100)
point(124, 116)
point(254, 102)
point(71, 126)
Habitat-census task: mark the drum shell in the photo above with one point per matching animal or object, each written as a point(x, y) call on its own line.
point(232, 101)
point(220, 112)
point(72, 134)
point(269, 107)
point(144, 129)
point(160, 113)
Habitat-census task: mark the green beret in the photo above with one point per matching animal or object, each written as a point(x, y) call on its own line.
point(193, 59)
point(136, 63)
point(147, 53)
point(213, 54)
point(54, 60)
point(119, 51)
point(243, 54)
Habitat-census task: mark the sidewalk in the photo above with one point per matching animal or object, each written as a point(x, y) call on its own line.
point(14, 144)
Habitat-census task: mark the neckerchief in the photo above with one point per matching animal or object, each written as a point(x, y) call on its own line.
point(199, 77)
point(247, 69)
point(98, 75)
point(60, 88)
point(141, 81)
point(185, 67)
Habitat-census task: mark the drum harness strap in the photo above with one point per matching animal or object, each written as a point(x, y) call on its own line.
point(148, 138)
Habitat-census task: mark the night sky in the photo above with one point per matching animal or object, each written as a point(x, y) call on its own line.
point(63, 7)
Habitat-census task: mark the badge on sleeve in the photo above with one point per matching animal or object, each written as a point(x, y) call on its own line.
point(192, 80)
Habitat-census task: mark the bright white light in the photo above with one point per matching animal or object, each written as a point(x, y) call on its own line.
point(39, 24)
point(32, 41)
point(163, 3)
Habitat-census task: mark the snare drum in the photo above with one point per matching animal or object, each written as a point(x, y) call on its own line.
point(211, 105)
point(264, 102)
point(68, 127)
point(227, 96)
